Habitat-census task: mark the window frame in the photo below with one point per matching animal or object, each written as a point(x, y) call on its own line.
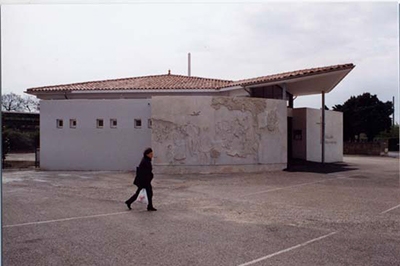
point(112, 120)
point(98, 120)
point(59, 123)
point(136, 121)
point(71, 123)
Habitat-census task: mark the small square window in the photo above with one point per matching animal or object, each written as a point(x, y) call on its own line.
point(138, 123)
point(60, 123)
point(113, 123)
point(100, 123)
point(72, 123)
point(149, 123)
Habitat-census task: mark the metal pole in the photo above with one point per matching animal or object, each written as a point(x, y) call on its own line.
point(393, 111)
point(323, 129)
point(189, 64)
point(1, 145)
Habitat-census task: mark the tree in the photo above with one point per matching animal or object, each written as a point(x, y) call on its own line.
point(16, 103)
point(365, 114)
point(393, 132)
point(31, 104)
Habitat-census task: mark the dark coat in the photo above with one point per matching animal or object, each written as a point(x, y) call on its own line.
point(144, 173)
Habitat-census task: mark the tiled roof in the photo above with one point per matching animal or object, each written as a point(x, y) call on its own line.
point(155, 82)
point(180, 82)
point(291, 75)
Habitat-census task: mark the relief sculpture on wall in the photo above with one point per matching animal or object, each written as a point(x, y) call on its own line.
point(237, 137)
point(182, 141)
point(241, 136)
point(272, 120)
point(161, 130)
point(254, 106)
point(233, 131)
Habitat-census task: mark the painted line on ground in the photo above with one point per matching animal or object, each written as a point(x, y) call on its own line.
point(286, 250)
point(395, 207)
point(280, 188)
point(65, 219)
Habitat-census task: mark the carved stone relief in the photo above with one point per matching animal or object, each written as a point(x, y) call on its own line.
point(254, 106)
point(233, 132)
point(162, 130)
point(272, 120)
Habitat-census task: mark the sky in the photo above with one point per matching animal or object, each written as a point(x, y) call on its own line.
point(49, 44)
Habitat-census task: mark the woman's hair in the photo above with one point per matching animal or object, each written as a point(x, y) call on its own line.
point(147, 151)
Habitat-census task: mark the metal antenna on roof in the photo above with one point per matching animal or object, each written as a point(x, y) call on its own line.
point(189, 64)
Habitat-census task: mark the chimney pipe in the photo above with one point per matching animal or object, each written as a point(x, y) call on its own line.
point(189, 64)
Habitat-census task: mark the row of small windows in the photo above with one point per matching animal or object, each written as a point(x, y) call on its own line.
point(100, 123)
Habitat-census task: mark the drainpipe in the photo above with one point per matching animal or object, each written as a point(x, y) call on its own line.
point(323, 129)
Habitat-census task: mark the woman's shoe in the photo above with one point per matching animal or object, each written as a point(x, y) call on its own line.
point(127, 204)
point(151, 209)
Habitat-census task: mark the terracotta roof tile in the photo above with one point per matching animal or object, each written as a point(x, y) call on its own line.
point(292, 74)
point(180, 82)
point(159, 82)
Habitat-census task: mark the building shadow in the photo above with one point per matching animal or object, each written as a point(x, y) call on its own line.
point(298, 165)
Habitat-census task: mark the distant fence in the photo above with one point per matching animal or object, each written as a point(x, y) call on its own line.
point(365, 148)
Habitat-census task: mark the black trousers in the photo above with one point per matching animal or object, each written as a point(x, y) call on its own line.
point(149, 191)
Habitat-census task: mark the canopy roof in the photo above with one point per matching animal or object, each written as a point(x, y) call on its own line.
point(302, 82)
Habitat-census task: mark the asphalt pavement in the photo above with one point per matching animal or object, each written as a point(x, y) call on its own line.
point(346, 214)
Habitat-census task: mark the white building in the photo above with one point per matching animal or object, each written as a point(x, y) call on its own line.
point(193, 124)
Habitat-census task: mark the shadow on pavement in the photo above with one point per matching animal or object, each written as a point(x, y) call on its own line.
point(297, 165)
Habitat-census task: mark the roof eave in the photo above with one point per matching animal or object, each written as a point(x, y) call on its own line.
point(109, 92)
point(341, 73)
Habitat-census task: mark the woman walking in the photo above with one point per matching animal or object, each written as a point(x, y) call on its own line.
point(144, 175)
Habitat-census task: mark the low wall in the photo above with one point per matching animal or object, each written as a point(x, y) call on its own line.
point(365, 148)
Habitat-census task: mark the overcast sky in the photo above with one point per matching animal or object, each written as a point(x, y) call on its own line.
point(50, 44)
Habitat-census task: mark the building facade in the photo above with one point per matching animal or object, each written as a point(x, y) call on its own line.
point(193, 124)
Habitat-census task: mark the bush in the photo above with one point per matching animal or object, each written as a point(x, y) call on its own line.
point(21, 141)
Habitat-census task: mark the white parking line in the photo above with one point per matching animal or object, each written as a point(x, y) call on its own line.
point(66, 219)
point(280, 188)
point(286, 250)
point(395, 207)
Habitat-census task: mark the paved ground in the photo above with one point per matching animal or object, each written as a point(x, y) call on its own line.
point(347, 214)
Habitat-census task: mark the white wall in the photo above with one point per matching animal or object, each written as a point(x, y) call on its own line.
point(87, 147)
point(309, 147)
point(333, 136)
point(218, 134)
